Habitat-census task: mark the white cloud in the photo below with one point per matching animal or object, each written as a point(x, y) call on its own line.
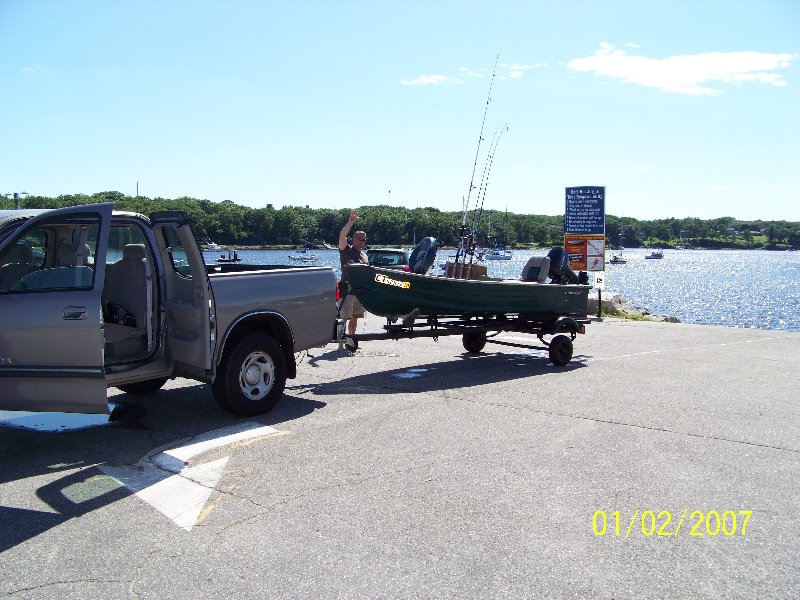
point(32, 68)
point(688, 74)
point(430, 80)
point(466, 71)
point(505, 71)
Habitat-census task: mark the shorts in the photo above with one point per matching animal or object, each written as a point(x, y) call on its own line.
point(351, 308)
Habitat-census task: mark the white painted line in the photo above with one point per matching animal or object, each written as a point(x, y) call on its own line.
point(163, 480)
point(169, 459)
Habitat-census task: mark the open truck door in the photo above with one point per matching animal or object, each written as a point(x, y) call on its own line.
point(188, 301)
point(52, 272)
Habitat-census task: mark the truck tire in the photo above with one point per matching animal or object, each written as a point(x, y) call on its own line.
point(141, 388)
point(252, 376)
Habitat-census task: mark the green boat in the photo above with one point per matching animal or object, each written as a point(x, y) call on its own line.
point(392, 293)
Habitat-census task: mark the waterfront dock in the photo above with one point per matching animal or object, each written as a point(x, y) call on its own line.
point(661, 462)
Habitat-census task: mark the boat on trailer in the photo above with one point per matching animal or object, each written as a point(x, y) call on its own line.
point(548, 299)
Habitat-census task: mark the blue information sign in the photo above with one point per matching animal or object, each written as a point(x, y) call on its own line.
point(585, 210)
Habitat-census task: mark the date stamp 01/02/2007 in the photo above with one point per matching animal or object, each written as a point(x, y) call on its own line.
point(650, 523)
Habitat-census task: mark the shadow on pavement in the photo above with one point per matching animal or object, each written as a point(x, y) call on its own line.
point(467, 370)
point(142, 425)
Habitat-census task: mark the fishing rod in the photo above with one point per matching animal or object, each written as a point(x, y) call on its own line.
point(475, 164)
point(486, 173)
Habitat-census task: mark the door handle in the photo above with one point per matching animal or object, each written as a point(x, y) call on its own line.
point(74, 313)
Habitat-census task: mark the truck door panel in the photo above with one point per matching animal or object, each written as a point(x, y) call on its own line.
point(188, 304)
point(51, 340)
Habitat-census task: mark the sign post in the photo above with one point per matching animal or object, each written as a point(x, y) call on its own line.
point(585, 232)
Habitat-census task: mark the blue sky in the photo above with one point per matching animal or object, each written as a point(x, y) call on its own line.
point(681, 109)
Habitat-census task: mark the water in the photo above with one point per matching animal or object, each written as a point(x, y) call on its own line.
point(735, 288)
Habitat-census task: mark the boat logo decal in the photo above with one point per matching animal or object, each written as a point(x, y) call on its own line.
point(380, 278)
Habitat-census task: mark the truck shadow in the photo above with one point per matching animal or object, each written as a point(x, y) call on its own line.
point(143, 425)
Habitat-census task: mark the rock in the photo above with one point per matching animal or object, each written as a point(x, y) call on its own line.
point(618, 306)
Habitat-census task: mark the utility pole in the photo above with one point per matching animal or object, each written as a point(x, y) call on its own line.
point(16, 196)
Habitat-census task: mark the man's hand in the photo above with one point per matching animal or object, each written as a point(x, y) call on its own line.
point(353, 218)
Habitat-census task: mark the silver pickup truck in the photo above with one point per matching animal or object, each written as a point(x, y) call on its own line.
point(92, 298)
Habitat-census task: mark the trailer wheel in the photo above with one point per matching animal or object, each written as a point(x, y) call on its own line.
point(252, 376)
point(560, 350)
point(141, 388)
point(473, 341)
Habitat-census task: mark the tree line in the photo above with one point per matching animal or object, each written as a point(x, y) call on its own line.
point(227, 223)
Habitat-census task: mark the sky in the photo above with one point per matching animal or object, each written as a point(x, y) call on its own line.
point(679, 108)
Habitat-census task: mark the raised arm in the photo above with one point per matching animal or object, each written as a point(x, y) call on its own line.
point(346, 229)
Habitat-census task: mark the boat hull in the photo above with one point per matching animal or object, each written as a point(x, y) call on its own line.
point(391, 293)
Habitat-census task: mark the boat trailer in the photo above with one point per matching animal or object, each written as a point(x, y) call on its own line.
point(476, 332)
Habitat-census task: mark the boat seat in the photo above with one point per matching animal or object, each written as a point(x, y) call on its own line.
point(15, 265)
point(125, 295)
point(536, 269)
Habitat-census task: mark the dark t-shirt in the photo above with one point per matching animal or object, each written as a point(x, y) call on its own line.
point(351, 255)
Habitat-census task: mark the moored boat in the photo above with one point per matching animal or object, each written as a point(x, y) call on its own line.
point(303, 256)
point(655, 254)
point(618, 259)
point(498, 254)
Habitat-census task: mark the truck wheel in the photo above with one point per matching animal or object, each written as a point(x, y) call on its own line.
point(560, 350)
point(473, 342)
point(252, 376)
point(141, 388)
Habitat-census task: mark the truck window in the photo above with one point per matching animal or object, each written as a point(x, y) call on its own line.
point(177, 253)
point(53, 256)
point(121, 236)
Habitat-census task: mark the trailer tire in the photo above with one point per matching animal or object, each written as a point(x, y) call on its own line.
point(142, 388)
point(560, 350)
point(252, 376)
point(473, 341)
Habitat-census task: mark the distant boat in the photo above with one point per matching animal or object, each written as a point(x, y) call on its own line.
point(618, 259)
point(496, 252)
point(233, 256)
point(499, 254)
point(303, 256)
point(656, 254)
point(213, 247)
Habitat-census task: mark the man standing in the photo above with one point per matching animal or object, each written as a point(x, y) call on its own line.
point(351, 308)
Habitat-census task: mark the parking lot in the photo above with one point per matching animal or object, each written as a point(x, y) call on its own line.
point(662, 462)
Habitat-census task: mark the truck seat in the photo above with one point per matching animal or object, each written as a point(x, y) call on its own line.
point(15, 265)
point(126, 287)
point(70, 255)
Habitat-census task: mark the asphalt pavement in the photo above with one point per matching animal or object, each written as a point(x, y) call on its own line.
point(661, 462)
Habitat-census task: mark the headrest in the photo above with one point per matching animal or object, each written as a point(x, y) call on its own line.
point(134, 251)
point(68, 255)
point(19, 253)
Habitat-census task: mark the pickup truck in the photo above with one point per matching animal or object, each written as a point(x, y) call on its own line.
point(92, 298)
